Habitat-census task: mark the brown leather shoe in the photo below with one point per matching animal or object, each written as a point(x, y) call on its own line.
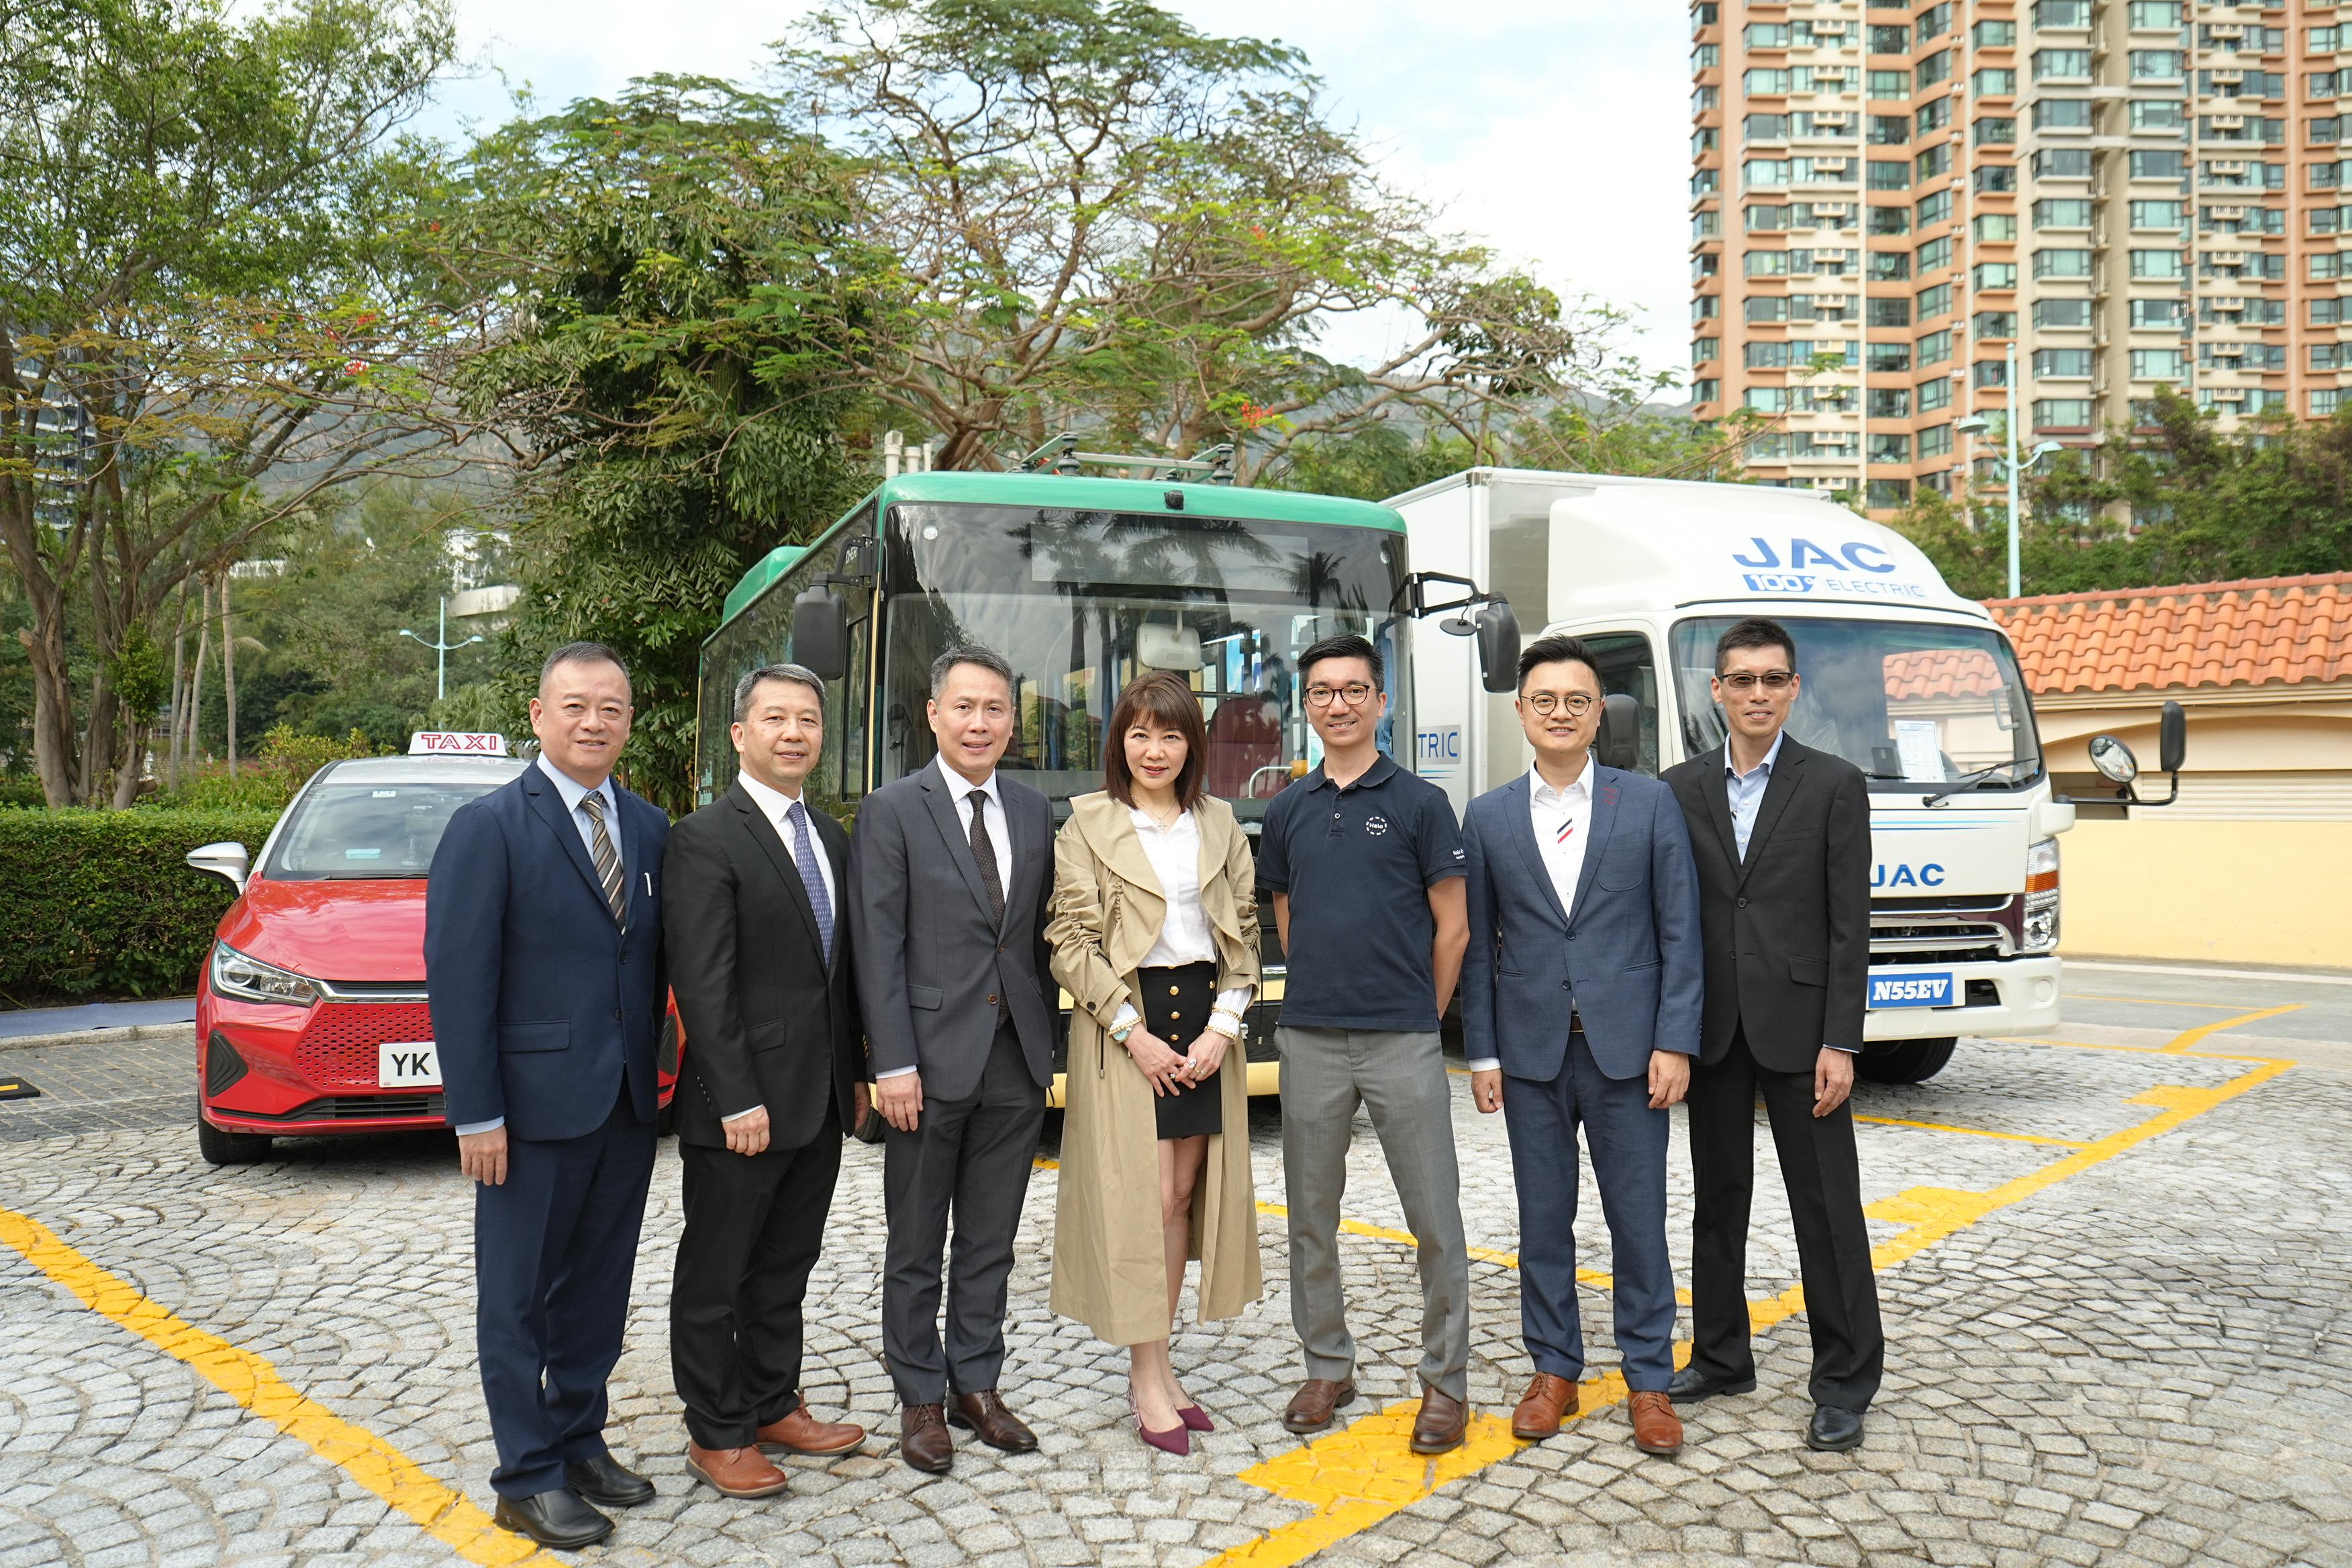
point(1312, 1407)
point(1542, 1406)
point(805, 1433)
point(1656, 1429)
point(1442, 1424)
point(923, 1441)
point(984, 1413)
point(736, 1472)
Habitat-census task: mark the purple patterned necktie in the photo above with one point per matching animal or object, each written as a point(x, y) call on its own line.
point(804, 856)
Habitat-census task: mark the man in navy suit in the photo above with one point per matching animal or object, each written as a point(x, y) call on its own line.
point(543, 958)
point(1580, 1004)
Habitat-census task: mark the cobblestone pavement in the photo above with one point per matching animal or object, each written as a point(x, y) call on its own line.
point(2143, 1354)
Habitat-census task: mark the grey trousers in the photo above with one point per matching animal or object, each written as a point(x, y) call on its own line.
point(1399, 1079)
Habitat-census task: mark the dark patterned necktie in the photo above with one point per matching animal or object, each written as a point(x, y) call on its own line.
point(984, 849)
point(804, 856)
point(608, 859)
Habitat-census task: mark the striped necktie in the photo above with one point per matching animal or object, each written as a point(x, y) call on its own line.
point(608, 859)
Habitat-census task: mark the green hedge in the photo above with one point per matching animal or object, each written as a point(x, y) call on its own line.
point(101, 903)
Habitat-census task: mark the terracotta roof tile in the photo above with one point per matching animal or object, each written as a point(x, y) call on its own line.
point(1942, 672)
point(2260, 631)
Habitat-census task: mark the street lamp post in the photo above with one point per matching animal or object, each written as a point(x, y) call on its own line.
point(1977, 423)
point(442, 647)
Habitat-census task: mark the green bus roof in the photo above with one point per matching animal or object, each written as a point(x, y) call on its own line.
point(1079, 492)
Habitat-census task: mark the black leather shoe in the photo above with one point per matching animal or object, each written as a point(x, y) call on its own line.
point(557, 1519)
point(603, 1482)
point(1692, 1384)
point(1833, 1430)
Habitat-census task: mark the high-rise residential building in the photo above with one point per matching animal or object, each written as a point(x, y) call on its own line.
point(1886, 200)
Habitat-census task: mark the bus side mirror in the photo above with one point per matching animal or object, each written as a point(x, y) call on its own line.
point(1499, 647)
point(821, 633)
point(2172, 738)
point(1620, 744)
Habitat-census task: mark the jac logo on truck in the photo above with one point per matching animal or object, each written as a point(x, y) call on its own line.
point(1773, 571)
point(1927, 875)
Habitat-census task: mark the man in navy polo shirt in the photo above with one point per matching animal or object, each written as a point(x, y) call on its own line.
point(1365, 862)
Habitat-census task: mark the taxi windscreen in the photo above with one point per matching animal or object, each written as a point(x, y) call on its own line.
point(349, 831)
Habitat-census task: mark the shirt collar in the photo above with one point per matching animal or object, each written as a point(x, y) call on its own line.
point(773, 804)
point(1765, 767)
point(1378, 773)
point(573, 791)
point(1577, 793)
point(960, 788)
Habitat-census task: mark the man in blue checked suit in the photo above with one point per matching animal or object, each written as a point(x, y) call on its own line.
point(543, 960)
point(1581, 1006)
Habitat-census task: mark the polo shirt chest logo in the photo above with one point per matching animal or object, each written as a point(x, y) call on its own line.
point(1376, 826)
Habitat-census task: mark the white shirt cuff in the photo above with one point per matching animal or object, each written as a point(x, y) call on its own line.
point(1235, 1001)
point(469, 1128)
point(1127, 1014)
point(1850, 1050)
point(894, 1072)
point(1485, 1064)
point(739, 1115)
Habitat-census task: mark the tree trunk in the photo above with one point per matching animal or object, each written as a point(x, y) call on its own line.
point(135, 762)
point(179, 675)
point(53, 736)
point(196, 678)
point(228, 671)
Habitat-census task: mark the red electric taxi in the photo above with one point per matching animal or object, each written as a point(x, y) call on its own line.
point(311, 1016)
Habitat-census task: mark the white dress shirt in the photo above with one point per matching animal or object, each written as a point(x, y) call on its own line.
point(776, 806)
point(1562, 819)
point(1184, 937)
point(1000, 834)
point(573, 792)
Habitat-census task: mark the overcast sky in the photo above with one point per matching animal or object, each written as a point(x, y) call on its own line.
point(1556, 130)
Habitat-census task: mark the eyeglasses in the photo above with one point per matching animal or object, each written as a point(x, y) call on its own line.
point(1773, 680)
point(1547, 703)
point(1355, 694)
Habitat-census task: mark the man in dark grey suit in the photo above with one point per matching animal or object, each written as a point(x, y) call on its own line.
point(951, 867)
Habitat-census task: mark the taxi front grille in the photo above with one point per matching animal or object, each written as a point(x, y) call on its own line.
point(338, 1048)
point(355, 1108)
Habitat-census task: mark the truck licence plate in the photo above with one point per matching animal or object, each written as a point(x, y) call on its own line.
point(407, 1063)
point(1914, 988)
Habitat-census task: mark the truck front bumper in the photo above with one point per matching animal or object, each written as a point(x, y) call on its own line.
point(1999, 997)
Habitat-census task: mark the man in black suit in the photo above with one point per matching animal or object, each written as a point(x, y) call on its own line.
point(774, 1070)
point(950, 869)
point(543, 960)
point(1782, 834)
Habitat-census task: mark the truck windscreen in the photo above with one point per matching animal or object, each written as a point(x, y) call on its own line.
point(1907, 702)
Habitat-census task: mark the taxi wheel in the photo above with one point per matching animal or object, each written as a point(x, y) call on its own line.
point(1905, 1061)
point(220, 1148)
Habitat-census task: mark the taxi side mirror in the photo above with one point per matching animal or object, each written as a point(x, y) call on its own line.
point(227, 859)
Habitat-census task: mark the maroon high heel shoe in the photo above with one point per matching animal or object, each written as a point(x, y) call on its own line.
point(1195, 1419)
point(1177, 1440)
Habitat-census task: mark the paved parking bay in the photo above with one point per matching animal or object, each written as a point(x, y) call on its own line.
point(2114, 1265)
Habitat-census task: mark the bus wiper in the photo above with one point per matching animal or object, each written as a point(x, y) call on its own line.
point(1970, 781)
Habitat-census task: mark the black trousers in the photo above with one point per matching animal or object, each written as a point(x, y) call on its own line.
point(555, 1247)
point(1823, 1177)
point(969, 1159)
point(754, 1225)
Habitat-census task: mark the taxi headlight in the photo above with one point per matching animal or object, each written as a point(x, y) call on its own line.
point(249, 980)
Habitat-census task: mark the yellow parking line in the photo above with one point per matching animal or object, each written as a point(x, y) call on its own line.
point(1357, 1477)
point(1972, 1131)
point(2189, 1039)
point(400, 1482)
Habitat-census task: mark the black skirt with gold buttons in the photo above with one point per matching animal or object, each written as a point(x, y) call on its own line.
point(1176, 1003)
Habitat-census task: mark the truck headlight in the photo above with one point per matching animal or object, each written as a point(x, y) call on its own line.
point(2041, 929)
point(249, 980)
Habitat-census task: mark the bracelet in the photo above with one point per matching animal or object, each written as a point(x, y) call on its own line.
point(1225, 1023)
point(1118, 1035)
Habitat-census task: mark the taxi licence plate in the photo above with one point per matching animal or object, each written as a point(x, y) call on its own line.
point(1914, 988)
point(407, 1063)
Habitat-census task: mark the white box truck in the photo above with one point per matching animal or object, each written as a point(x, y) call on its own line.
point(1913, 684)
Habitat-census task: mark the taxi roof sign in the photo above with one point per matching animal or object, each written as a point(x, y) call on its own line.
point(457, 744)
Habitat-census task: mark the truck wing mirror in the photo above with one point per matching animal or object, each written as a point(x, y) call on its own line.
point(821, 633)
point(1499, 646)
point(2172, 744)
point(2113, 759)
point(1620, 731)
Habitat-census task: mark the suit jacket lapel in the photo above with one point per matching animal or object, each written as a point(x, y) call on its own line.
point(788, 871)
point(1522, 830)
point(1787, 770)
point(1604, 819)
point(1716, 790)
point(834, 847)
point(945, 812)
point(547, 801)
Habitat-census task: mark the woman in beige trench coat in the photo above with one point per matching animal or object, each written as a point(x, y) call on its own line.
point(1154, 928)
